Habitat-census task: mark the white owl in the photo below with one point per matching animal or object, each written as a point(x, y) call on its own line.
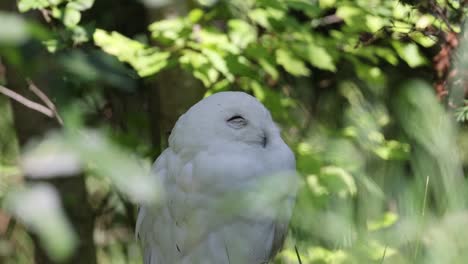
point(229, 186)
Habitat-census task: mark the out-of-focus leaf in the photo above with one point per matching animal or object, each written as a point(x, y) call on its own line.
point(26, 5)
point(269, 17)
point(265, 58)
point(326, 3)
point(410, 53)
point(425, 121)
point(337, 180)
point(311, 9)
point(241, 33)
point(393, 150)
point(167, 31)
point(462, 113)
point(195, 15)
point(291, 63)
point(13, 29)
point(155, 3)
point(207, 2)
point(39, 208)
point(53, 45)
point(50, 158)
point(375, 250)
point(218, 62)
point(214, 39)
point(323, 255)
point(145, 60)
point(71, 17)
point(387, 220)
point(80, 5)
point(315, 55)
point(349, 13)
point(200, 66)
point(79, 35)
point(105, 158)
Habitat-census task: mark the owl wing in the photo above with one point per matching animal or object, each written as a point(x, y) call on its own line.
point(153, 227)
point(215, 210)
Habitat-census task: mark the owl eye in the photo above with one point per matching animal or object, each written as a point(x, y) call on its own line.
point(236, 122)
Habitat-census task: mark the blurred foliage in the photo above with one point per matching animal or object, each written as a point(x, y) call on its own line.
point(383, 162)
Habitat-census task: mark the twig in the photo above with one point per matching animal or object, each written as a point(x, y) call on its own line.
point(44, 99)
point(423, 212)
point(383, 255)
point(297, 254)
point(46, 14)
point(26, 102)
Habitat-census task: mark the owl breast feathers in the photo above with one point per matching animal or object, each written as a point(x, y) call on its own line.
point(229, 186)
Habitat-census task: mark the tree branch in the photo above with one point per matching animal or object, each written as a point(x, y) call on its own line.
point(44, 99)
point(26, 102)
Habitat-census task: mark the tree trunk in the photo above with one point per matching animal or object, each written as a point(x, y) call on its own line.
point(173, 90)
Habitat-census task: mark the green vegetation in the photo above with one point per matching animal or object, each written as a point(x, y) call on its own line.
point(371, 95)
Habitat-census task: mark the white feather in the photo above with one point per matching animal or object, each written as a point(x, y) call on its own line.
point(229, 192)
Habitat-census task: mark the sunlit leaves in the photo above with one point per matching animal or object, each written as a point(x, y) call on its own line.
point(200, 66)
point(333, 180)
point(80, 5)
point(387, 220)
point(392, 150)
point(241, 33)
point(71, 17)
point(410, 53)
point(168, 31)
point(146, 60)
point(69, 14)
point(315, 55)
point(462, 113)
point(26, 5)
point(291, 63)
point(265, 58)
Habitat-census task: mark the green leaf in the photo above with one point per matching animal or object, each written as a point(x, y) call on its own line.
point(393, 150)
point(260, 16)
point(200, 67)
point(145, 60)
point(462, 113)
point(308, 7)
point(291, 63)
point(53, 45)
point(410, 53)
point(265, 58)
point(218, 62)
point(337, 180)
point(327, 3)
point(353, 16)
point(56, 2)
point(80, 5)
point(315, 55)
point(57, 13)
point(26, 5)
point(79, 35)
point(167, 31)
point(195, 15)
point(241, 33)
point(387, 220)
point(71, 17)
